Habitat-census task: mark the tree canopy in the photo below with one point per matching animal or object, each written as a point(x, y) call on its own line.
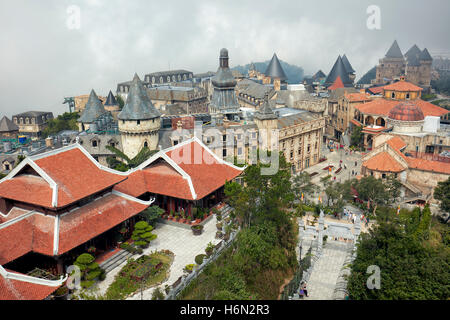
point(442, 193)
point(66, 121)
point(412, 253)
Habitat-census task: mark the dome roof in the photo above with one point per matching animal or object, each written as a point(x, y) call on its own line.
point(224, 53)
point(406, 111)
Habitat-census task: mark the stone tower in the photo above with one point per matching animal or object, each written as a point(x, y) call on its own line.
point(267, 122)
point(94, 109)
point(224, 99)
point(391, 66)
point(139, 121)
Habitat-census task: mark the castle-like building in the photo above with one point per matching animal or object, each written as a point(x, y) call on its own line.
point(415, 66)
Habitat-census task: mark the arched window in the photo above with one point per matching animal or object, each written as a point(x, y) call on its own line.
point(94, 143)
point(179, 78)
point(153, 79)
point(407, 96)
point(161, 80)
point(184, 77)
point(173, 79)
point(146, 144)
point(393, 95)
point(27, 120)
point(168, 78)
point(138, 122)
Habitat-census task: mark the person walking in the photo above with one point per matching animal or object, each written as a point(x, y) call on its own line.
point(304, 289)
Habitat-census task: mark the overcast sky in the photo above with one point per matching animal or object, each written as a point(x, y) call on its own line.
point(43, 60)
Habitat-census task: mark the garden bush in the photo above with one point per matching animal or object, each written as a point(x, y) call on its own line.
point(188, 268)
point(90, 270)
point(157, 294)
point(142, 234)
point(199, 259)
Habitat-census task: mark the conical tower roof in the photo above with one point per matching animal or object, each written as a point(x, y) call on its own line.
point(111, 100)
point(138, 105)
point(394, 51)
point(319, 74)
point(93, 109)
point(338, 70)
point(274, 69)
point(7, 125)
point(414, 50)
point(347, 65)
point(265, 112)
point(425, 55)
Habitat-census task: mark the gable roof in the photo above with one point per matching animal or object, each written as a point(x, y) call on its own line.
point(394, 51)
point(7, 125)
point(94, 109)
point(189, 170)
point(274, 69)
point(58, 178)
point(138, 105)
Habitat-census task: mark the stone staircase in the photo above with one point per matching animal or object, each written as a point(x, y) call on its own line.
point(225, 210)
point(115, 260)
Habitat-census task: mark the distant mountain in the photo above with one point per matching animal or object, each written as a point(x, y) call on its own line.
point(370, 75)
point(294, 73)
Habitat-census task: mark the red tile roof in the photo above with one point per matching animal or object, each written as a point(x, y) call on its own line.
point(357, 96)
point(382, 107)
point(376, 90)
point(91, 220)
point(406, 111)
point(76, 175)
point(402, 86)
point(195, 163)
point(397, 143)
point(384, 162)
point(337, 84)
point(429, 165)
point(12, 289)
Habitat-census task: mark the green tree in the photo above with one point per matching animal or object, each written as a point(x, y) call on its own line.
point(376, 191)
point(302, 184)
point(66, 121)
point(120, 101)
point(442, 193)
point(152, 214)
point(357, 137)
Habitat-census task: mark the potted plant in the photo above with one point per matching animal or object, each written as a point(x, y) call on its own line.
point(197, 229)
point(91, 249)
point(171, 215)
point(188, 219)
point(188, 268)
point(219, 226)
point(61, 293)
point(182, 217)
point(219, 234)
point(209, 249)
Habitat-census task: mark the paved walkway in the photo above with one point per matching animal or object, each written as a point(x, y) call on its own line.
point(326, 270)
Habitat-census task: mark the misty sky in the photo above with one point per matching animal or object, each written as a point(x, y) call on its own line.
point(43, 61)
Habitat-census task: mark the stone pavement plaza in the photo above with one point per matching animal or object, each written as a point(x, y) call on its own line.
point(181, 242)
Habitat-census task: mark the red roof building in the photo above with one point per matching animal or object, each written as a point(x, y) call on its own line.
point(181, 176)
point(56, 204)
point(51, 204)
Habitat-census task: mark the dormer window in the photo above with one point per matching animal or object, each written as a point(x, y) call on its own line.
point(94, 143)
point(393, 95)
point(407, 96)
point(146, 144)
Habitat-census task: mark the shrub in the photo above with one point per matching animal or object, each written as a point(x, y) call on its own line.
point(197, 227)
point(219, 217)
point(142, 234)
point(157, 294)
point(90, 269)
point(188, 268)
point(199, 259)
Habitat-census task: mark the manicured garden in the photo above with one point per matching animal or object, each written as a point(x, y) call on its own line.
point(145, 272)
